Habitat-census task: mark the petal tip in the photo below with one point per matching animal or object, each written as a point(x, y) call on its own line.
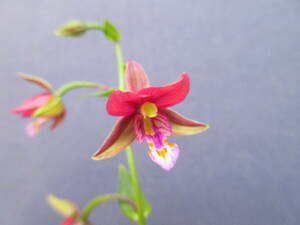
point(96, 157)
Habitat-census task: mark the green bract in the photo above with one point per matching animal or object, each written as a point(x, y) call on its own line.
point(111, 32)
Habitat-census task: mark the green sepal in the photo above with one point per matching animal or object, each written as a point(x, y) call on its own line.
point(54, 107)
point(125, 188)
point(111, 32)
point(101, 94)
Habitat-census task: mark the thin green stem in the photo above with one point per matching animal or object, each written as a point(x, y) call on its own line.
point(78, 84)
point(121, 67)
point(95, 26)
point(136, 185)
point(90, 206)
point(129, 152)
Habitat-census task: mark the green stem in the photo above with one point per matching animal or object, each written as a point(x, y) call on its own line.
point(136, 185)
point(95, 26)
point(88, 209)
point(129, 152)
point(121, 67)
point(78, 84)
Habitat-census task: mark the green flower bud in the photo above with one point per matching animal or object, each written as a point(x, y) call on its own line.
point(72, 29)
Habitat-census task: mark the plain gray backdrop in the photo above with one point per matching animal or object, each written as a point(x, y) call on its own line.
point(243, 60)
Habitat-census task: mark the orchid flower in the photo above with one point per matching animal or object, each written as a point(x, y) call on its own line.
point(145, 115)
point(46, 107)
point(67, 209)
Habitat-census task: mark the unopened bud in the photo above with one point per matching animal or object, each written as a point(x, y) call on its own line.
point(72, 29)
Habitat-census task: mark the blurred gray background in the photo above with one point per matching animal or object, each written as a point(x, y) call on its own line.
point(243, 60)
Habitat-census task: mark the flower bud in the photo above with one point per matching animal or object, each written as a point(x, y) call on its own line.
point(54, 107)
point(72, 29)
point(45, 107)
point(65, 207)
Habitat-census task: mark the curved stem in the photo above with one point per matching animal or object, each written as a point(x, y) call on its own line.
point(129, 152)
point(88, 209)
point(78, 84)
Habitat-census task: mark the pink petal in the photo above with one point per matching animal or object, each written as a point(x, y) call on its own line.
point(68, 221)
point(136, 78)
point(139, 127)
point(33, 128)
point(162, 124)
point(182, 125)
point(170, 94)
point(31, 104)
point(165, 156)
point(120, 137)
point(122, 103)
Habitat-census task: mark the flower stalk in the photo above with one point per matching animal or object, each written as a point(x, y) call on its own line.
point(88, 209)
point(78, 84)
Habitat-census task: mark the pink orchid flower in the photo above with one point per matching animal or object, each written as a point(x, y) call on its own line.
point(145, 115)
point(46, 107)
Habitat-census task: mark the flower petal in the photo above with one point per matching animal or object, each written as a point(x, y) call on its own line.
point(34, 128)
point(68, 221)
point(120, 137)
point(122, 103)
point(170, 94)
point(183, 126)
point(139, 127)
point(63, 206)
point(36, 80)
point(165, 156)
point(31, 104)
point(162, 124)
point(136, 78)
point(58, 120)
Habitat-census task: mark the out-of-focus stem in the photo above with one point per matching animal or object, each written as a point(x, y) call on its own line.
point(88, 209)
point(79, 84)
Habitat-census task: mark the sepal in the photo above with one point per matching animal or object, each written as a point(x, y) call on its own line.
point(54, 107)
point(36, 80)
point(136, 78)
point(119, 138)
point(64, 207)
point(182, 125)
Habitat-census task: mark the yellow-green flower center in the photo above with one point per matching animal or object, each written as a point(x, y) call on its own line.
point(149, 109)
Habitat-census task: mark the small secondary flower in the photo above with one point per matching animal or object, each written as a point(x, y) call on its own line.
point(145, 115)
point(67, 209)
point(45, 107)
